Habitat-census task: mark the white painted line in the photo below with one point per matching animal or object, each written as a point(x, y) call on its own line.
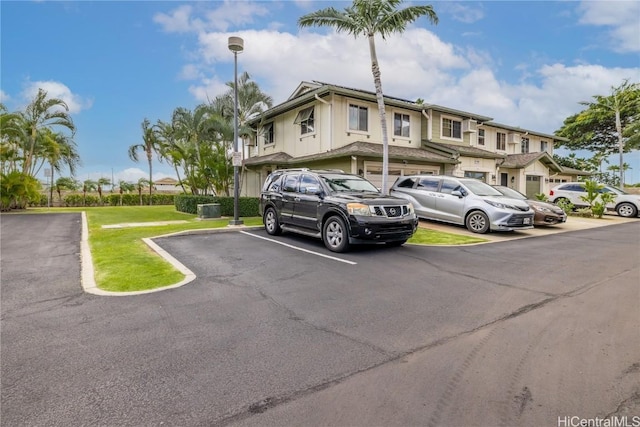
point(301, 249)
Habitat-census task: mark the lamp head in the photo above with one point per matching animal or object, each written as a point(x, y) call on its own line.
point(236, 44)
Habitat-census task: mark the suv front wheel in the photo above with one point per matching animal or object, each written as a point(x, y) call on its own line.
point(271, 223)
point(335, 234)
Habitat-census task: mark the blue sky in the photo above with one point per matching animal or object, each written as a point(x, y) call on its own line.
point(523, 63)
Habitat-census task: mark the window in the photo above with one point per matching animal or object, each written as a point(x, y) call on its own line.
point(406, 183)
point(268, 133)
point(501, 141)
point(449, 186)
point(524, 146)
point(451, 128)
point(305, 120)
point(358, 118)
point(309, 184)
point(476, 175)
point(543, 145)
point(290, 183)
point(401, 125)
point(429, 184)
point(480, 136)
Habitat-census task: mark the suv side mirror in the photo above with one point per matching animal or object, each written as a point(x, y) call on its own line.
point(457, 193)
point(317, 191)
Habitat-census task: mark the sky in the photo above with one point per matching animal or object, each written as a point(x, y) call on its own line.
point(115, 63)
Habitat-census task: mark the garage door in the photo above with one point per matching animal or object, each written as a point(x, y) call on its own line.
point(373, 172)
point(533, 186)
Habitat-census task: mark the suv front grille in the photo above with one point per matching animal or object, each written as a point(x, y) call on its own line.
point(391, 211)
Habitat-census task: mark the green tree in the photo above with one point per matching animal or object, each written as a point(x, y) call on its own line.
point(150, 144)
point(607, 124)
point(42, 113)
point(101, 183)
point(370, 18)
point(88, 185)
point(171, 149)
point(65, 183)
point(17, 189)
point(142, 182)
point(125, 186)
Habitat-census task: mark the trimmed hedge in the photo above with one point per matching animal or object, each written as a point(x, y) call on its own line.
point(134, 199)
point(188, 203)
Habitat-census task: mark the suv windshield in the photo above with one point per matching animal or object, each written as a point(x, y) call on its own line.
point(348, 183)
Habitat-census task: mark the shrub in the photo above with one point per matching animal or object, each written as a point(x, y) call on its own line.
point(73, 200)
point(583, 213)
point(542, 197)
point(565, 205)
point(188, 203)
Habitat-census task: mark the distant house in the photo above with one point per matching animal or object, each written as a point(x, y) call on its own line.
point(168, 185)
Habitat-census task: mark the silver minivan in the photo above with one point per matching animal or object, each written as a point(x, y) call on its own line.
point(465, 201)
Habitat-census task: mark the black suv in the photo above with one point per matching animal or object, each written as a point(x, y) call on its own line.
point(340, 208)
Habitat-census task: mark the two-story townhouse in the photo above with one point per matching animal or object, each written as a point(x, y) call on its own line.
point(334, 127)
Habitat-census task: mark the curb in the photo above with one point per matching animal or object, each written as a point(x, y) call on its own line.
point(88, 273)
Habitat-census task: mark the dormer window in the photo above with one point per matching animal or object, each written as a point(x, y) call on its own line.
point(305, 120)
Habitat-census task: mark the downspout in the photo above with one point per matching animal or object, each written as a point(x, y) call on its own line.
point(429, 127)
point(330, 119)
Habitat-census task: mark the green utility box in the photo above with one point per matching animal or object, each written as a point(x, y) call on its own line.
point(209, 210)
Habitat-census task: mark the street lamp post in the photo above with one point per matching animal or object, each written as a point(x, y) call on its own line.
point(236, 45)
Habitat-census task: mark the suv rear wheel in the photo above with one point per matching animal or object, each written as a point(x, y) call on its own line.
point(271, 223)
point(335, 235)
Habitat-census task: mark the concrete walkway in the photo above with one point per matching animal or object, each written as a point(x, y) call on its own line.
point(573, 224)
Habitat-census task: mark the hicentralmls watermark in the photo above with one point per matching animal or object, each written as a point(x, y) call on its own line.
point(622, 421)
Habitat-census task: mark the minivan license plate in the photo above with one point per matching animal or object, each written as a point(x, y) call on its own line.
point(526, 221)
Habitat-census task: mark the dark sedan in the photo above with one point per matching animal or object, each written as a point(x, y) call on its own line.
point(545, 213)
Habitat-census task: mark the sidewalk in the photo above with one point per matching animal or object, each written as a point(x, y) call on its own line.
point(572, 224)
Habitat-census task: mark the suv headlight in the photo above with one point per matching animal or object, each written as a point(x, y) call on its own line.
point(358, 209)
point(411, 209)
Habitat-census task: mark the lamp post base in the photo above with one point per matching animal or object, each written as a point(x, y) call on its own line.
point(236, 222)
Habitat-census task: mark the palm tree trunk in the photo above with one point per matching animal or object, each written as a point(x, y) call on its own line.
point(375, 69)
point(150, 179)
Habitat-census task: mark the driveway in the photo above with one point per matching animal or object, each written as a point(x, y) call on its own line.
point(282, 332)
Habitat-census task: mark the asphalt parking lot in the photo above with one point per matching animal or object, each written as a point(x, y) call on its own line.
point(280, 331)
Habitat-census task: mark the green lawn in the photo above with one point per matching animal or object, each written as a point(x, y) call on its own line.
point(123, 262)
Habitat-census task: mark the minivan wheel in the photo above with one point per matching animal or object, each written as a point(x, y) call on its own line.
point(627, 210)
point(335, 235)
point(271, 223)
point(477, 222)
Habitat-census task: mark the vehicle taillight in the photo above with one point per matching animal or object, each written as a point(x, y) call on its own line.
point(551, 192)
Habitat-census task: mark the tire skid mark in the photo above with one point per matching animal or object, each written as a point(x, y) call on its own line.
point(445, 399)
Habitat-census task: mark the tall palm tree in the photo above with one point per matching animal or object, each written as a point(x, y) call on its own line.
point(170, 148)
point(142, 182)
point(251, 102)
point(43, 113)
point(369, 18)
point(149, 145)
point(101, 183)
point(65, 183)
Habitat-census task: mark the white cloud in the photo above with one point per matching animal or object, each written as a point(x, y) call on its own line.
point(620, 16)
point(467, 12)
point(4, 97)
point(183, 19)
point(75, 102)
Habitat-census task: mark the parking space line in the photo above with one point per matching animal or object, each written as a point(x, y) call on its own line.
point(301, 249)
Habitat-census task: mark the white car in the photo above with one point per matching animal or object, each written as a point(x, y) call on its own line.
point(625, 204)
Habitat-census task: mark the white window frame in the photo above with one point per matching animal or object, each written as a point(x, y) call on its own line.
point(503, 146)
point(544, 146)
point(453, 120)
point(360, 107)
point(402, 125)
point(306, 120)
point(481, 137)
point(525, 142)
